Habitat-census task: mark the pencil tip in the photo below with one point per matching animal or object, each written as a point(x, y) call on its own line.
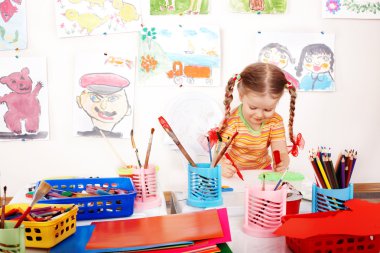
point(131, 132)
point(152, 130)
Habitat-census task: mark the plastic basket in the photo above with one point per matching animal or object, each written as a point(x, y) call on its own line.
point(48, 233)
point(335, 244)
point(263, 211)
point(145, 181)
point(12, 239)
point(204, 186)
point(97, 207)
point(330, 199)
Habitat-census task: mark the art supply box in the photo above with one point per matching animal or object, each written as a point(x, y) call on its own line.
point(46, 234)
point(100, 206)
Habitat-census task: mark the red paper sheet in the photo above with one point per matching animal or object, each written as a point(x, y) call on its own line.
point(203, 243)
point(361, 219)
point(156, 230)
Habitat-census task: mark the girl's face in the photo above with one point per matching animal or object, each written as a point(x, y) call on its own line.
point(257, 108)
point(275, 57)
point(317, 63)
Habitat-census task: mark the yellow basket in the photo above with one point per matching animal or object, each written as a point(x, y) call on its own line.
point(46, 234)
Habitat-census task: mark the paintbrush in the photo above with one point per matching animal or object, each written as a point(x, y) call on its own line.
point(281, 179)
point(221, 153)
point(113, 149)
point(136, 150)
point(170, 132)
point(3, 208)
point(149, 148)
point(41, 191)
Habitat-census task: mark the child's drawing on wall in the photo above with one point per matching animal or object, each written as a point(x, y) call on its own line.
point(20, 101)
point(280, 56)
point(179, 55)
point(94, 17)
point(104, 95)
point(12, 25)
point(178, 7)
point(307, 59)
point(360, 9)
point(317, 60)
point(258, 6)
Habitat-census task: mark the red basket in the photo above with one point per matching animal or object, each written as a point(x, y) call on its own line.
point(335, 244)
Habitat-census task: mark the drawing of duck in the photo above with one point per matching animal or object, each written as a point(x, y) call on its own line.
point(87, 21)
point(127, 12)
point(7, 10)
point(91, 2)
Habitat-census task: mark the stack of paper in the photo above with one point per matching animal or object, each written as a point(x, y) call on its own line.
point(190, 232)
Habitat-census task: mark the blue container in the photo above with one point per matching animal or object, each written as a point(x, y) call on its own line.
point(204, 186)
point(96, 207)
point(324, 200)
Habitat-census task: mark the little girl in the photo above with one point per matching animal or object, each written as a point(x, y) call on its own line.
point(260, 87)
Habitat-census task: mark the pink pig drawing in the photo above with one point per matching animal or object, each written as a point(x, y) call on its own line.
point(22, 102)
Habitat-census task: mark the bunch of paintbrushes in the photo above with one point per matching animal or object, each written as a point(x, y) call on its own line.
point(147, 156)
point(329, 176)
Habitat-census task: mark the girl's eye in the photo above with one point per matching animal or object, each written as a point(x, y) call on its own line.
point(252, 108)
point(268, 110)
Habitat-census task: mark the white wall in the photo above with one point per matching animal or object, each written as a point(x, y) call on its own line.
point(346, 118)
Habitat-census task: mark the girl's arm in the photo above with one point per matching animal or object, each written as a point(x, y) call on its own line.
point(280, 146)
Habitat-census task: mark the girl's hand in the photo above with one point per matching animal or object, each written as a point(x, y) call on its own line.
point(279, 167)
point(227, 169)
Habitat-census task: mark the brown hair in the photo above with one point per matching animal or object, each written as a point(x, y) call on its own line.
point(263, 78)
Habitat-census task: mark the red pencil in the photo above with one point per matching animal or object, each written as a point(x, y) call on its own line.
point(233, 164)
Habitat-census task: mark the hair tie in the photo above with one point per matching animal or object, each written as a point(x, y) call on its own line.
point(289, 85)
point(237, 77)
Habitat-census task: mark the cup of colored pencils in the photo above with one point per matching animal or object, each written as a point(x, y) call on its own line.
point(328, 175)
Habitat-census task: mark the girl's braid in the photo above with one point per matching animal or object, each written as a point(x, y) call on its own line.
point(293, 96)
point(228, 97)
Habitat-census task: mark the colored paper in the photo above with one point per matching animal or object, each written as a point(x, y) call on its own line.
point(361, 219)
point(77, 243)
point(166, 229)
point(223, 218)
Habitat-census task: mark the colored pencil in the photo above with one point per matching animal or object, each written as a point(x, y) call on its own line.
point(170, 132)
point(221, 153)
point(323, 173)
point(233, 164)
point(149, 148)
point(317, 173)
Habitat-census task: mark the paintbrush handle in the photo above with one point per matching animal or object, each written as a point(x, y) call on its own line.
point(147, 156)
point(221, 153)
point(21, 219)
point(170, 132)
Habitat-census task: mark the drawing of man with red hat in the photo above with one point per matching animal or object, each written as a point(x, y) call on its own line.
point(105, 101)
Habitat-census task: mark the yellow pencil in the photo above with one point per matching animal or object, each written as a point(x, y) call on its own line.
point(323, 172)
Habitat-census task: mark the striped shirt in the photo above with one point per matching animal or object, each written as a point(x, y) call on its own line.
point(249, 149)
